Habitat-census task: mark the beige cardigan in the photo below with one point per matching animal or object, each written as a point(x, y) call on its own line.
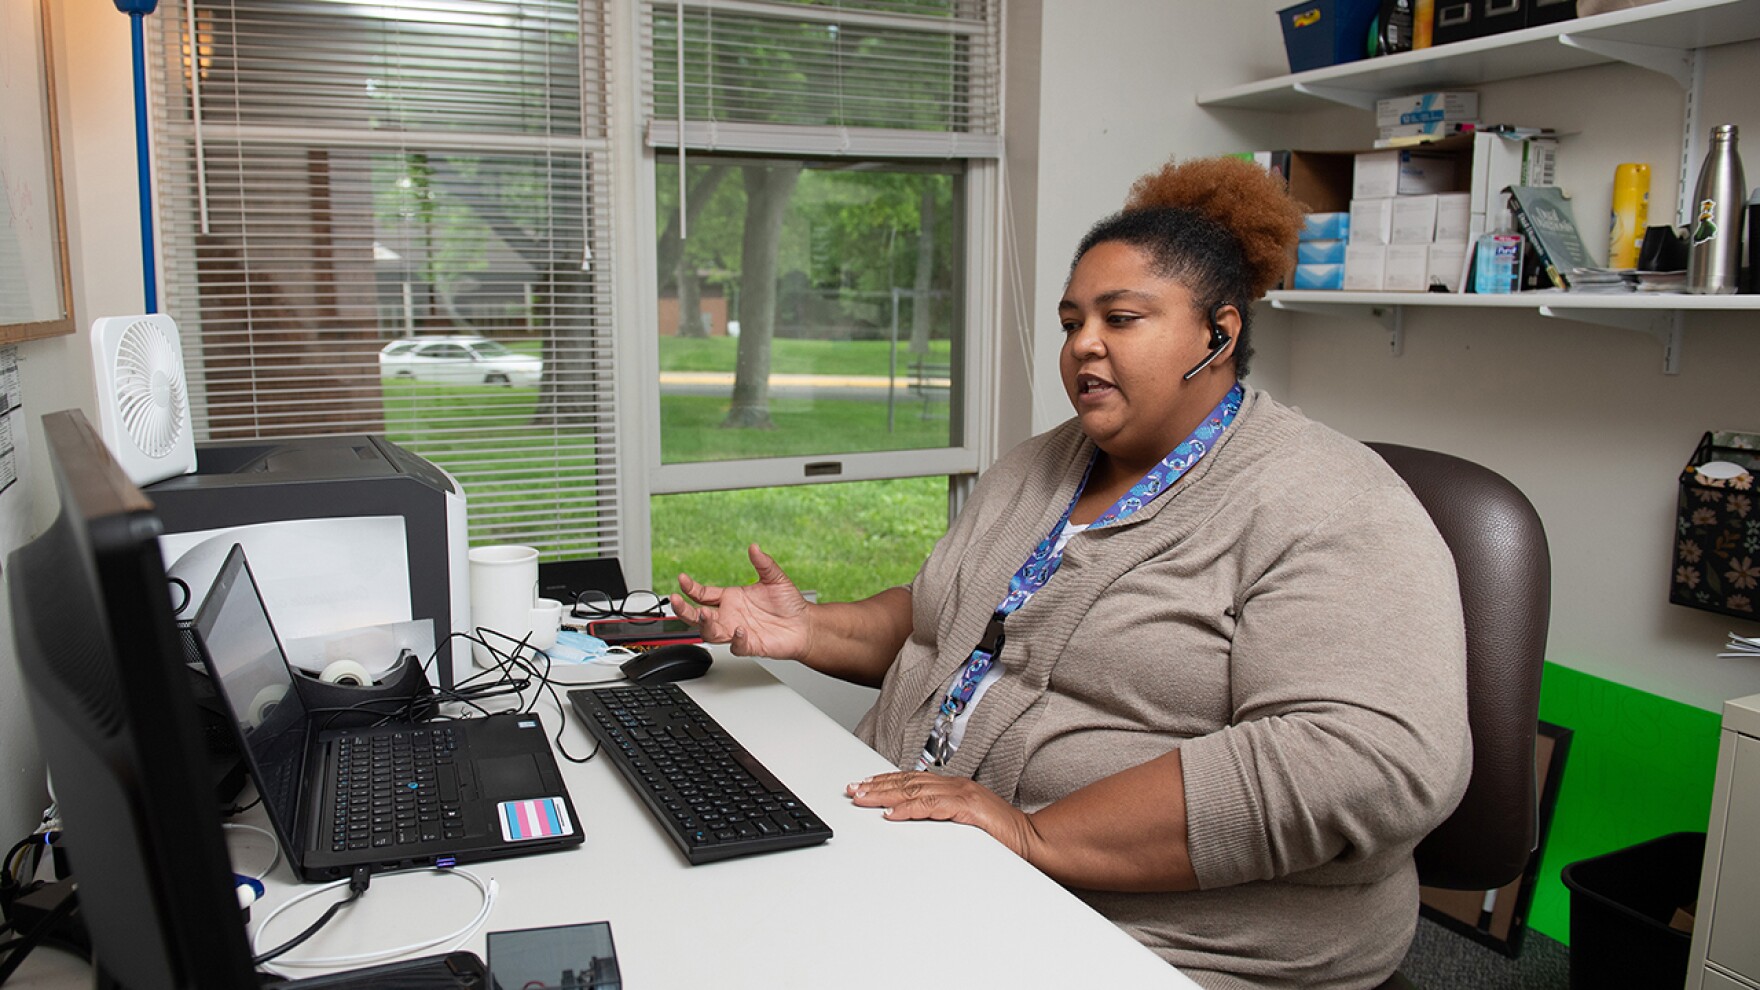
point(1286, 615)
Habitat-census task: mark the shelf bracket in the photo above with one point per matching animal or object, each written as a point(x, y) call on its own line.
point(1338, 94)
point(1674, 63)
point(1664, 326)
point(1391, 318)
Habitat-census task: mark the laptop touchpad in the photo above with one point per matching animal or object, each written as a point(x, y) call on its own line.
point(509, 776)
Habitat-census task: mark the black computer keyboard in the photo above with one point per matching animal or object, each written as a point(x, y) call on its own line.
point(714, 798)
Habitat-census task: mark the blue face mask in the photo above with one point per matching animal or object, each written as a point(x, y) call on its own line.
point(578, 647)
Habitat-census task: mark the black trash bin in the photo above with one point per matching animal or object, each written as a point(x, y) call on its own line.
point(1621, 904)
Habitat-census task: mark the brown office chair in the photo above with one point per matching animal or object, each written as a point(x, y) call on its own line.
point(1505, 573)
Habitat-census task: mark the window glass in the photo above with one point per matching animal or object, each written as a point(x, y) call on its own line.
point(844, 541)
point(812, 308)
point(336, 177)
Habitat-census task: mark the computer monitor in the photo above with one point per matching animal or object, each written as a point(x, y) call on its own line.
point(116, 723)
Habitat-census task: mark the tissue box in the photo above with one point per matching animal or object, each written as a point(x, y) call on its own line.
point(1319, 276)
point(1717, 530)
point(1326, 227)
point(1424, 108)
point(1320, 252)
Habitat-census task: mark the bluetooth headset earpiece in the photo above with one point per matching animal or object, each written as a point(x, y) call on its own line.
point(1219, 341)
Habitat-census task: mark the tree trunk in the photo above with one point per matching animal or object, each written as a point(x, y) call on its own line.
point(690, 300)
point(671, 245)
point(768, 189)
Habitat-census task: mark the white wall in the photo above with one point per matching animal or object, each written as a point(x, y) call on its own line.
point(1581, 418)
point(1116, 84)
point(93, 86)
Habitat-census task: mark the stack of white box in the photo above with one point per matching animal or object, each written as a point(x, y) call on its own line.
point(1408, 228)
point(1402, 121)
point(1501, 160)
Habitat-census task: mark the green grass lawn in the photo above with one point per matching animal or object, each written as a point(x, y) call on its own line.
point(692, 428)
point(845, 540)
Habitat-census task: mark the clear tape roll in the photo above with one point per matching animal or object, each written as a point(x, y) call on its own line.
point(346, 673)
point(264, 703)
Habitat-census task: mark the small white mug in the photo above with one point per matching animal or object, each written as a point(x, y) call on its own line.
point(504, 586)
point(546, 620)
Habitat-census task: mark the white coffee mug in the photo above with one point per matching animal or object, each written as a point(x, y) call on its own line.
point(546, 621)
point(504, 587)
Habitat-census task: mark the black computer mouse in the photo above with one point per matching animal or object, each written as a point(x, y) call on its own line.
point(678, 662)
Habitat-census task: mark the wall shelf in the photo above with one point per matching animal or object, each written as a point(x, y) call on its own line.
point(1660, 37)
point(1658, 315)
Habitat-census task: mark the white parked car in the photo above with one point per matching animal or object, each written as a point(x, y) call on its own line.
point(460, 360)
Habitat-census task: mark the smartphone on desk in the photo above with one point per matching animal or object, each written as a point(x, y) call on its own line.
point(644, 632)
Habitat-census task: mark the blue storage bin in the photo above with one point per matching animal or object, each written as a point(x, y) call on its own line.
point(1327, 32)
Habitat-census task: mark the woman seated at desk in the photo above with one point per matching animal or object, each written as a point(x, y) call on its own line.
point(1195, 656)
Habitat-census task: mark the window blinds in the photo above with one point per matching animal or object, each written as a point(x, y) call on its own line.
point(334, 176)
point(870, 78)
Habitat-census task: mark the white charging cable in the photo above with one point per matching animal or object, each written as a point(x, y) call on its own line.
point(274, 844)
point(488, 890)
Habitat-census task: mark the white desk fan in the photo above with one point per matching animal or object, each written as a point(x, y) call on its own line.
point(143, 401)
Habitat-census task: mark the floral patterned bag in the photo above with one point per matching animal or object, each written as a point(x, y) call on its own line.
point(1717, 529)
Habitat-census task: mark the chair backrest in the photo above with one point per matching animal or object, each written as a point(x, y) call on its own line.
point(1505, 572)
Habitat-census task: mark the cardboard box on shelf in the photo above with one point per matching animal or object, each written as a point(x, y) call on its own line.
point(1372, 220)
point(1406, 268)
point(1448, 264)
point(1502, 160)
point(1454, 216)
point(1414, 220)
point(1364, 265)
point(1403, 172)
point(1423, 108)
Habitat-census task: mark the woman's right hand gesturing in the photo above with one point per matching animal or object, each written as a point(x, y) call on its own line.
point(770, 618)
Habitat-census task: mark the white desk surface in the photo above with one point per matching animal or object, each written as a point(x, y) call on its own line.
point(883, 904)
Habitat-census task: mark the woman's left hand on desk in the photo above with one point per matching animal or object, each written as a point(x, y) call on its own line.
point(929, 796)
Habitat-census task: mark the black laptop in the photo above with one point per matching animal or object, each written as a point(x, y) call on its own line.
point(388, 797)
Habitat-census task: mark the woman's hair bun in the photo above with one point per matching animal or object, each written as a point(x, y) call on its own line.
point(1243, 198)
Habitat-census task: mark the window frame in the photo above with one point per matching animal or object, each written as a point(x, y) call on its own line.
point(638, 373)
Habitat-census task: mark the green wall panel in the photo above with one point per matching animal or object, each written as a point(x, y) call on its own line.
point(1640, 766)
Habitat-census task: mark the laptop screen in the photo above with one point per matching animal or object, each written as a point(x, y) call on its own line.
point(247, 663)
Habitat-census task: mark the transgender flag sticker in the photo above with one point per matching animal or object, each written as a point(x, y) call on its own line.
point(538, 818)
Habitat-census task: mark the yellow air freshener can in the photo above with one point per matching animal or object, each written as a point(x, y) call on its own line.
point(1631, 212)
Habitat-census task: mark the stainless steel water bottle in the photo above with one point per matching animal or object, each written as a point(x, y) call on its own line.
point(1714, 258)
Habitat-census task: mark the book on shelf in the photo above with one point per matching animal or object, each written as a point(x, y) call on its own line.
point(1543, 215)
point(1742, 646)
point(1603, 280)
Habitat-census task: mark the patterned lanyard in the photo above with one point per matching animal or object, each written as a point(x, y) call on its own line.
point(1047, 556)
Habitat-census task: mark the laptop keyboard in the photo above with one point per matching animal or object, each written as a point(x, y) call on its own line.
point(396, 789)
point(713, 798)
